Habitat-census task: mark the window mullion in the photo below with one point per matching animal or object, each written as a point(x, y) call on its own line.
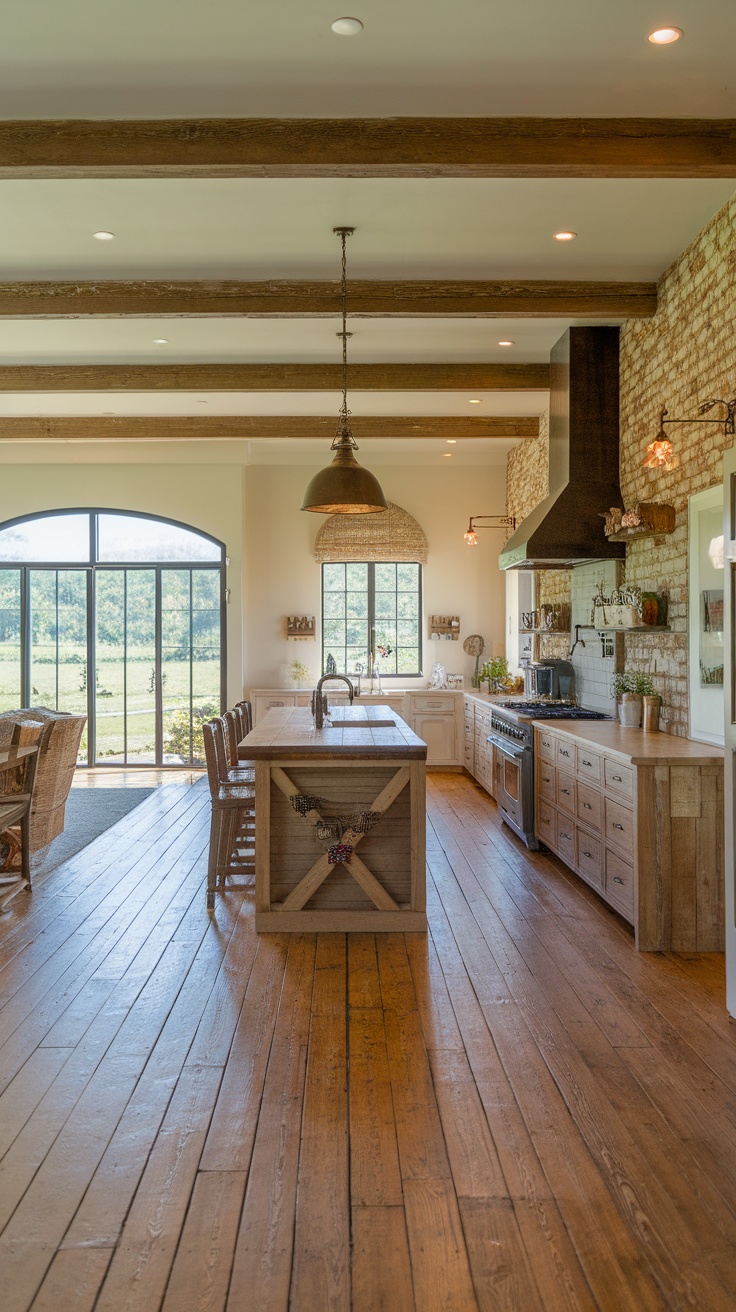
point(371, 604)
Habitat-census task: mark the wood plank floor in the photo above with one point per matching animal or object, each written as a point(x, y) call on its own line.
point(515, 1112)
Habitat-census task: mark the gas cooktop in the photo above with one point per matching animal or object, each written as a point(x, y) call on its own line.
point(552, 711)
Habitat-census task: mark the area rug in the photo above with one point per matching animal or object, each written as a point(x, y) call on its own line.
point(89, 812)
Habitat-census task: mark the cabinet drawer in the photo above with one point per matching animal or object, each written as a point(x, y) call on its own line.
point(546, 780)
point(619, 885)
point(619, 778)
point(620, 827)
point(588, 764)
point(589, 807)
point(547, 823)
point(565, 754)
point(565, 792)
point(430, 703)
point(566, 839)
point(546, 745)
point(590, 858)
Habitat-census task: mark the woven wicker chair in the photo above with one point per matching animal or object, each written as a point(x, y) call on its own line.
point(57, 762)
point(246, 712)
point(15, 808)
point(232, 826)
point(240, 771)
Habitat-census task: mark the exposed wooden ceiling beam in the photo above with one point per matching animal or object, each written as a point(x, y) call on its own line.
point(170, 428)
point(273, 377)
point(280, 299)
point(383, 147)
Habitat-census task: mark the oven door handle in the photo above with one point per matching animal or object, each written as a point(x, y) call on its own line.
point(514, 753)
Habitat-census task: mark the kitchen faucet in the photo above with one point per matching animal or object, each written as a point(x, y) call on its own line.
point(319, 702)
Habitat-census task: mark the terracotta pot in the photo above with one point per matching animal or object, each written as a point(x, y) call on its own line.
point(650, 722)
point(630, 710)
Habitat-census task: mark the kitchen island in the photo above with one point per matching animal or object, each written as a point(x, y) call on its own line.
point(340, 821)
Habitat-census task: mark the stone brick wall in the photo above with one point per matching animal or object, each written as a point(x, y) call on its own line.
point(679, 359)
point(527, 483)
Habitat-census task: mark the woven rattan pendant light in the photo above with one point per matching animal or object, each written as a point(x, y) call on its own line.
point(344, 487)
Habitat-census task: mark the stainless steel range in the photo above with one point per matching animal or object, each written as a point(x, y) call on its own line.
point(513, 737)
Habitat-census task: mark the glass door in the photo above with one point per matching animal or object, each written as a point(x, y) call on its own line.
point(11, 629)
point(126, 665)
point(58, 659)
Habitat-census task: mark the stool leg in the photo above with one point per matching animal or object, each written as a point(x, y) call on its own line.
point(215, 827)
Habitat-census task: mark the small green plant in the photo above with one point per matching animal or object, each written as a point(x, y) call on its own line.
point(494, 671)
point(298, 672)
point(632, 682)
point(176, 742)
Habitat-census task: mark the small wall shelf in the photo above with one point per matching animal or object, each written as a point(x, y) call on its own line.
point(301, 628)
point(444, 626)
point(659, 518)
point(633, 628)
point(564, 632)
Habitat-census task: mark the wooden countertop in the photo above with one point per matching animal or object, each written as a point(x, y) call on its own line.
point(633, 745)
point(288, 732)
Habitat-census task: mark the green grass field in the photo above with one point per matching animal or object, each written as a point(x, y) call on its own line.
point(111, 675)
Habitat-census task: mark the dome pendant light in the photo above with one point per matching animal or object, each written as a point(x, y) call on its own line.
point(344, 487)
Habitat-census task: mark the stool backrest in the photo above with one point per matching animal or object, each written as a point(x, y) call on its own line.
point(215, 754)
point(232, 735)
point(247, 711)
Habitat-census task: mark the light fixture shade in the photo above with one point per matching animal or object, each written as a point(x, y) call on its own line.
point(344, 488)
point(471, 537)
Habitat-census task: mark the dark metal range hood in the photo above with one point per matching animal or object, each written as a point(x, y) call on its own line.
point(566, 529)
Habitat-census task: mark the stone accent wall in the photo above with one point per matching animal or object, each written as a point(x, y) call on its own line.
point(527, 483)
point(679, 359)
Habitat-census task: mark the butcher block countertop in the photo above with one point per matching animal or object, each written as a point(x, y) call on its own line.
point(289, 733)
point(634, 745)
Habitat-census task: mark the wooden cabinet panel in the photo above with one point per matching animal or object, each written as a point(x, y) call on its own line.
point(565, 792)
point(432, 702)
point(589, 809)
point(546, 779)
point(546, 827)
point(547, 746)
point(565, 754)
point(619, 884)
point(590, 858)
point(588, 764)
point(619, 778)
point(438, 732)
point(566, 839)
point(619, 827)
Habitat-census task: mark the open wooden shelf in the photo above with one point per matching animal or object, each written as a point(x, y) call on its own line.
point(634, 628)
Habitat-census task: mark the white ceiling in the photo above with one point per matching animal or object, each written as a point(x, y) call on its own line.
point(252, 58)
point(255, 57)
point(627, 229)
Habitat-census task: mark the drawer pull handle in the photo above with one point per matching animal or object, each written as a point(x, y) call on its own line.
point(616, 880)
point(563, 752)
point(587, 806)
point(587, 762)
point(565, 790)
point(618, 778)
point(588, 854)
point(618, 826)
point(564, 835)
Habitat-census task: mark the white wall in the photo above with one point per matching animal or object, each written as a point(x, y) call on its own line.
point(254, 509)
point(283, 577)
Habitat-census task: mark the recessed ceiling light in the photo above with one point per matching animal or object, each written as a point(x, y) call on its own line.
point(104, 236)
point(347, 26)
point(565, 236)
point(160, 341)
point(448, 454)
point(507, 343)
point(664, 36)
point(474, 401)
point(202, 402)
point(451, 441)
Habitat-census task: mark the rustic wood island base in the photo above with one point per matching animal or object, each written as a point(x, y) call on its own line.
point(340, 822)
point(640, 818)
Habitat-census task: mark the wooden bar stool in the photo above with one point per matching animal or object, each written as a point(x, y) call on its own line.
point(240, 771)
point(232, 826)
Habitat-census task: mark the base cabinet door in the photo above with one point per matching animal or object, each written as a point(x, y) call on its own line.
point(437, 729)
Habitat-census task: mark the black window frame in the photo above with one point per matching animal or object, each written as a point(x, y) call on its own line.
point(371, 566)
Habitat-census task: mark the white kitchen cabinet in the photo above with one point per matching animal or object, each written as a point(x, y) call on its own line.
point(436, 717)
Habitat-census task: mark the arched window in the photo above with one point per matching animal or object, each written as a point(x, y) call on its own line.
point(119, 616)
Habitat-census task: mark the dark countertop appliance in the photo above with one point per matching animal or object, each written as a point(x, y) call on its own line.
point(554, 679)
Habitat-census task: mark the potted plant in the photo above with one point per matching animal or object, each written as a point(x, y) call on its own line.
point(494, 672)
point(630, 689)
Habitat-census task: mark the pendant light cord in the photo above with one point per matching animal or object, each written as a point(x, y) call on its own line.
point(344, 436)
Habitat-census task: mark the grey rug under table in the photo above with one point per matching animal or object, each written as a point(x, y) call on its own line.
point(89, 812)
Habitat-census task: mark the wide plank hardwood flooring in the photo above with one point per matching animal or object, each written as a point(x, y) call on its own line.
point(515, 1112)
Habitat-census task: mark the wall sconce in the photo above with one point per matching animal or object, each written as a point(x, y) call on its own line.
point(501, 521)
point(660, 454)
